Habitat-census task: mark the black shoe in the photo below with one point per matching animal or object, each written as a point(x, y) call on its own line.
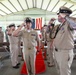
point(19, 55)
point(50, 65)
point(16, 67)
point(18, 64)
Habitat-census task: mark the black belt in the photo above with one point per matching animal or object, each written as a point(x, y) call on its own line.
point(56, 49)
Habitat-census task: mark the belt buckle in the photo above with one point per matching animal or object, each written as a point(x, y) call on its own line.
point(29, 48)
point(56, 49)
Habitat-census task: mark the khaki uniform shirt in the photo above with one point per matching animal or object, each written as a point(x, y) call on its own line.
point(64, 38)
point(1, 37)
point(43, 36)
point(13, 40)
point(29, 39)
point(48, 37)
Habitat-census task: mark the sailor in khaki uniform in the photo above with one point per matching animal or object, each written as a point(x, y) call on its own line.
point(19, 44)
point(49, 40)
point(43, 32)
point(14, 50)
point(63, 42)
point(1, 35)
point(30, 39)
point(43, 41)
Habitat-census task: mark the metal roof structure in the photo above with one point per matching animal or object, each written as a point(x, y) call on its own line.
point(8, 7)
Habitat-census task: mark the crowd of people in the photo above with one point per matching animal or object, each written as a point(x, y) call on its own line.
point(59, 40)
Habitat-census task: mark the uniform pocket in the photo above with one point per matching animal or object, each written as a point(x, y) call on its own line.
point(33, 36)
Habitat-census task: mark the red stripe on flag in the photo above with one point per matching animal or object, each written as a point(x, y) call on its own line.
point(38, 23)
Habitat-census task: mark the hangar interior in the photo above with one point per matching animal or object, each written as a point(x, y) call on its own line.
point(15, 11)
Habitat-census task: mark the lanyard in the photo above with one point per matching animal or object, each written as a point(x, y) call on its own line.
point(57, 30)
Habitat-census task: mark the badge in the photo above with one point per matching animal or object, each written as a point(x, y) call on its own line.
point(62, 28)
point(32, 34)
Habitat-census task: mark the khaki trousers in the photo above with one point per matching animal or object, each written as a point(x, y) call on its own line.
point(49, 53)
point(29, 58)
point(63, 61)
point(14, 52)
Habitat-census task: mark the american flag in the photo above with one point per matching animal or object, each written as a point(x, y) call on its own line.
point(37, 23)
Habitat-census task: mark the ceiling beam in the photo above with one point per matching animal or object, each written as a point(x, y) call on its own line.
point(63, 5)
point(74, 10)
point(73, 15)
point(71, 6)
point(3, 12)
point(33, 3)
point(27, 4)
point(6, 7)
point(12, 5)
point(69, 1)
point(55, 5)
point(48, 5)
point(20, 5)
point(1, 15)
point(42, 3)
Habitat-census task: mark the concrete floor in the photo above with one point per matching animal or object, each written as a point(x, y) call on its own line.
point(8, 70)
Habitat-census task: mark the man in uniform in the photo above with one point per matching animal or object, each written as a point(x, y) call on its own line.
point(43, 40)
point(19, 44)
point(6, 35)
point(30, 39)
point(14, 50)
point(63, 42)
point(43, 31)
point(49, 40)
point(1, 35)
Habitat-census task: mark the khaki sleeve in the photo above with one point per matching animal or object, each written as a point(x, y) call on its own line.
point(72, 22)
point(20, 34)
point(37, 37)
point(38, 40)
point(45, 39)
point(2, 35)
point(42, 38)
